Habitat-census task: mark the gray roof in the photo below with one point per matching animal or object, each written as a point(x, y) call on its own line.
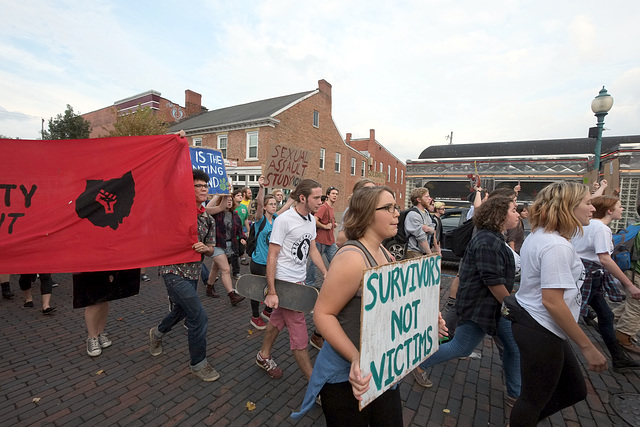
point(239, 113)
point(526, 148)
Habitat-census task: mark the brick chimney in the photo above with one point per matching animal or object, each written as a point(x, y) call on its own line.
point(372, 135)
point(348, 140)
point(192, 102)
point(325, 88)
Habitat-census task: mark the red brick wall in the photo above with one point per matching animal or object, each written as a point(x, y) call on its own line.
point(380, 154)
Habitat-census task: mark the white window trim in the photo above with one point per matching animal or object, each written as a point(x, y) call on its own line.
point(353, 166)
point(395, 179)
point(226, 148)
point(197, 142)
point(257, 145)
point(316, 114)
point(388, 173)
point(322, 157)
point(364, 168)
point(338, 162)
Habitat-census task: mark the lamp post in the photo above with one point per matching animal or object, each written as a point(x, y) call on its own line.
point(600, 106)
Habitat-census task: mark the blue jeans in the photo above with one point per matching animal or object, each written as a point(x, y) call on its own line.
point(186, 303)
point(468, 336)
point(329, 251)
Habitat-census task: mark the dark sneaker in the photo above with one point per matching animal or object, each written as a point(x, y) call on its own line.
point(235, 298)
point(258, 323)
point(316, 341)
point(155, 344)
point(211, 292)
point(208, 373)
point(93, 347)
point(265, 315)
point(422, 378)
point(269, 365)
point(104, 340)
point(145, 278)
point(625, 365)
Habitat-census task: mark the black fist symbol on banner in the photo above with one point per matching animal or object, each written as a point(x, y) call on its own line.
point(107, 203)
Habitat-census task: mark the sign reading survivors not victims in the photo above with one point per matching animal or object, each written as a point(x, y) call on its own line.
point(399, 321)
point(285, 167)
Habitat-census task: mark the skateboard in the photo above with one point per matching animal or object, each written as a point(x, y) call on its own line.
point(293, 296)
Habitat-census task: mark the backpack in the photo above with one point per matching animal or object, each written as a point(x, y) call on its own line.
point(401, 235)
point(458, 239)
point(624, 253)
point(253, 237)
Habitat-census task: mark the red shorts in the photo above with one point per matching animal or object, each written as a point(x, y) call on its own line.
point(295, 322)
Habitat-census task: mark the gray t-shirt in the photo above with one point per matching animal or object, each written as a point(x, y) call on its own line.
point(413, 223)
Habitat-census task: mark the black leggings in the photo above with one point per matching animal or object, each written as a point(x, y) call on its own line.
point(46, 282)
point(260, 270)
point(551, 376)
point(340, 407)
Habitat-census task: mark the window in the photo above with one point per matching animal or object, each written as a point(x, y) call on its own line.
point(338, 162)
point(353, 166)
point(395, 180)
point(401, 176)
point(197, 142)
point(222, 145)
point(381, 167)
point(364, 167)
point(316, 119)
point(322, 158)
point(252, 145)
point(388, 173)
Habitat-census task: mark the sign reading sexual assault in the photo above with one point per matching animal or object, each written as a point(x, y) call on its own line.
point(98, 204)
point(212, 162)
point(285, 166)
point(400, 304)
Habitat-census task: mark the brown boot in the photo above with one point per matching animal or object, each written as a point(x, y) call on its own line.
point(625, 341)
point(211, 292)
point(235, 298)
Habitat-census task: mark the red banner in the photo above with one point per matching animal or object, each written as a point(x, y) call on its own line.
point(95, 204)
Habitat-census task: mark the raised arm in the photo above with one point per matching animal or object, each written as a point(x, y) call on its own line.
point(213, 207)
point(260, 199)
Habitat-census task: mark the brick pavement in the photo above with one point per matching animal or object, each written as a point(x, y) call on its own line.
point(44, 358)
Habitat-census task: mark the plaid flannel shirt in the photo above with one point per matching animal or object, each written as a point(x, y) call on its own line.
point(607, 285)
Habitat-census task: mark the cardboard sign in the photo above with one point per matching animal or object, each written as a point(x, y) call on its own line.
point(285, 167)
point(400, 305)
point(212, 162)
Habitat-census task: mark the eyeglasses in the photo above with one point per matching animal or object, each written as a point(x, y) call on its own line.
point(201, 185)
point(389, 208)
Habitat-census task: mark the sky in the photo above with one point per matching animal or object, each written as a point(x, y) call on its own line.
point(414, 71)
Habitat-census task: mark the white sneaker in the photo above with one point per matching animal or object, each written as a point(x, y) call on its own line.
point(93, 347)
point(104, 340)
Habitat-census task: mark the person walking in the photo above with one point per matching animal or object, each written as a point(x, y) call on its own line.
point(292, 241)
point(181, 281)
point(550, 299)
point(594, 247)
point(325, 225)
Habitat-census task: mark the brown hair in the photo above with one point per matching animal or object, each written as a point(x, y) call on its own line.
point(304, 188)
point(417, 193)
point(362, 209)
point(492, 213)
point(553, 208)
point(603, 204)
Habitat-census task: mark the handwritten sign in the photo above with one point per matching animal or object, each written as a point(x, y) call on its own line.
point(285, 167)
point(400, 304)
point(212, 162)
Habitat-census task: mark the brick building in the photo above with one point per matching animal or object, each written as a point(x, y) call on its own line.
point(245, 133)
point(382, 166)
point(102, 120)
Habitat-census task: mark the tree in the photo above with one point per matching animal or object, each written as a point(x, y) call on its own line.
point(143, 121)
point(68, 126)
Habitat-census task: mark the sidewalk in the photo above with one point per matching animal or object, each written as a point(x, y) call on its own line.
point(47, 378)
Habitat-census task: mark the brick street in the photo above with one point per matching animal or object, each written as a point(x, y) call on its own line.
point(47, 378)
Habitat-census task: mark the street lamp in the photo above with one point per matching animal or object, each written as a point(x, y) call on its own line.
point(600, 105)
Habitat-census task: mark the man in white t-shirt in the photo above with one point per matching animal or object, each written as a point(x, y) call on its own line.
point(292, 241)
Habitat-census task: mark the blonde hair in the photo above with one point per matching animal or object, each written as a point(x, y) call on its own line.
point(553, 208)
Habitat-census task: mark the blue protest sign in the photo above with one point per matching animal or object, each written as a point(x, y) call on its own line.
point(212, 162)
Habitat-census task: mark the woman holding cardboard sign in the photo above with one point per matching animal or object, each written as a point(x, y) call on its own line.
point(373, 216)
